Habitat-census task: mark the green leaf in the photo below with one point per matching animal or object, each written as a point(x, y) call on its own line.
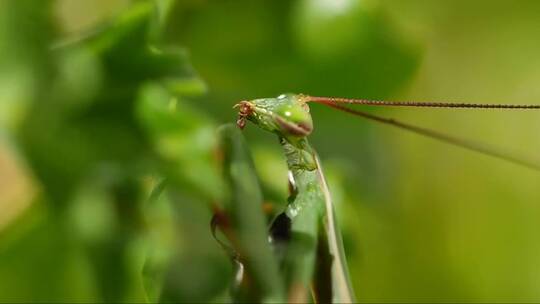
point(247, 218)
point(183, 137)
point(24, 61)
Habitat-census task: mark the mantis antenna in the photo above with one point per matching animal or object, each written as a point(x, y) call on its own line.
point(419, 104)
point(464, 143)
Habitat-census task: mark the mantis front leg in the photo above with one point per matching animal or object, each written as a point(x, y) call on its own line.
point(301, 258)
point(306, 258)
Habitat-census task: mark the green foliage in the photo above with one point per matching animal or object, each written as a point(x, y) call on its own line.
point(110, 112)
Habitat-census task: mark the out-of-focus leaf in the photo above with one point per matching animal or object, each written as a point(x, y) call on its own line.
point(183, 137)
point(158, 216)
point(163, 10)
point(84, 127)
point(106, 222)
point(130, 54)
point(198, 272)
point(23, 64)
point(248, 221)
point(184, 263)
point(37, 264)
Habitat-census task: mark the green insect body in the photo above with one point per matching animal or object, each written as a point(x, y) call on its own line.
point(310, 209)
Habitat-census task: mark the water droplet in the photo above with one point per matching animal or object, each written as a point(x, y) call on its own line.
point(292, 181)
point(293, 212)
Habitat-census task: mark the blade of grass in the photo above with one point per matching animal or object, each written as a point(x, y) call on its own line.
point(247, 217)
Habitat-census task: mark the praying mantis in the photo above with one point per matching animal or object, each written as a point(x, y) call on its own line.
point(306, 237)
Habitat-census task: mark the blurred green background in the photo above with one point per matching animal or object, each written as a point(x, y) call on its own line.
point(101, 100)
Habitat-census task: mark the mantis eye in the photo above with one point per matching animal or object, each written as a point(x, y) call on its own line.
point(294, 119)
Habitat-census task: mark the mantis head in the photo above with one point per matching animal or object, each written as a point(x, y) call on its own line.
point(287, 115)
